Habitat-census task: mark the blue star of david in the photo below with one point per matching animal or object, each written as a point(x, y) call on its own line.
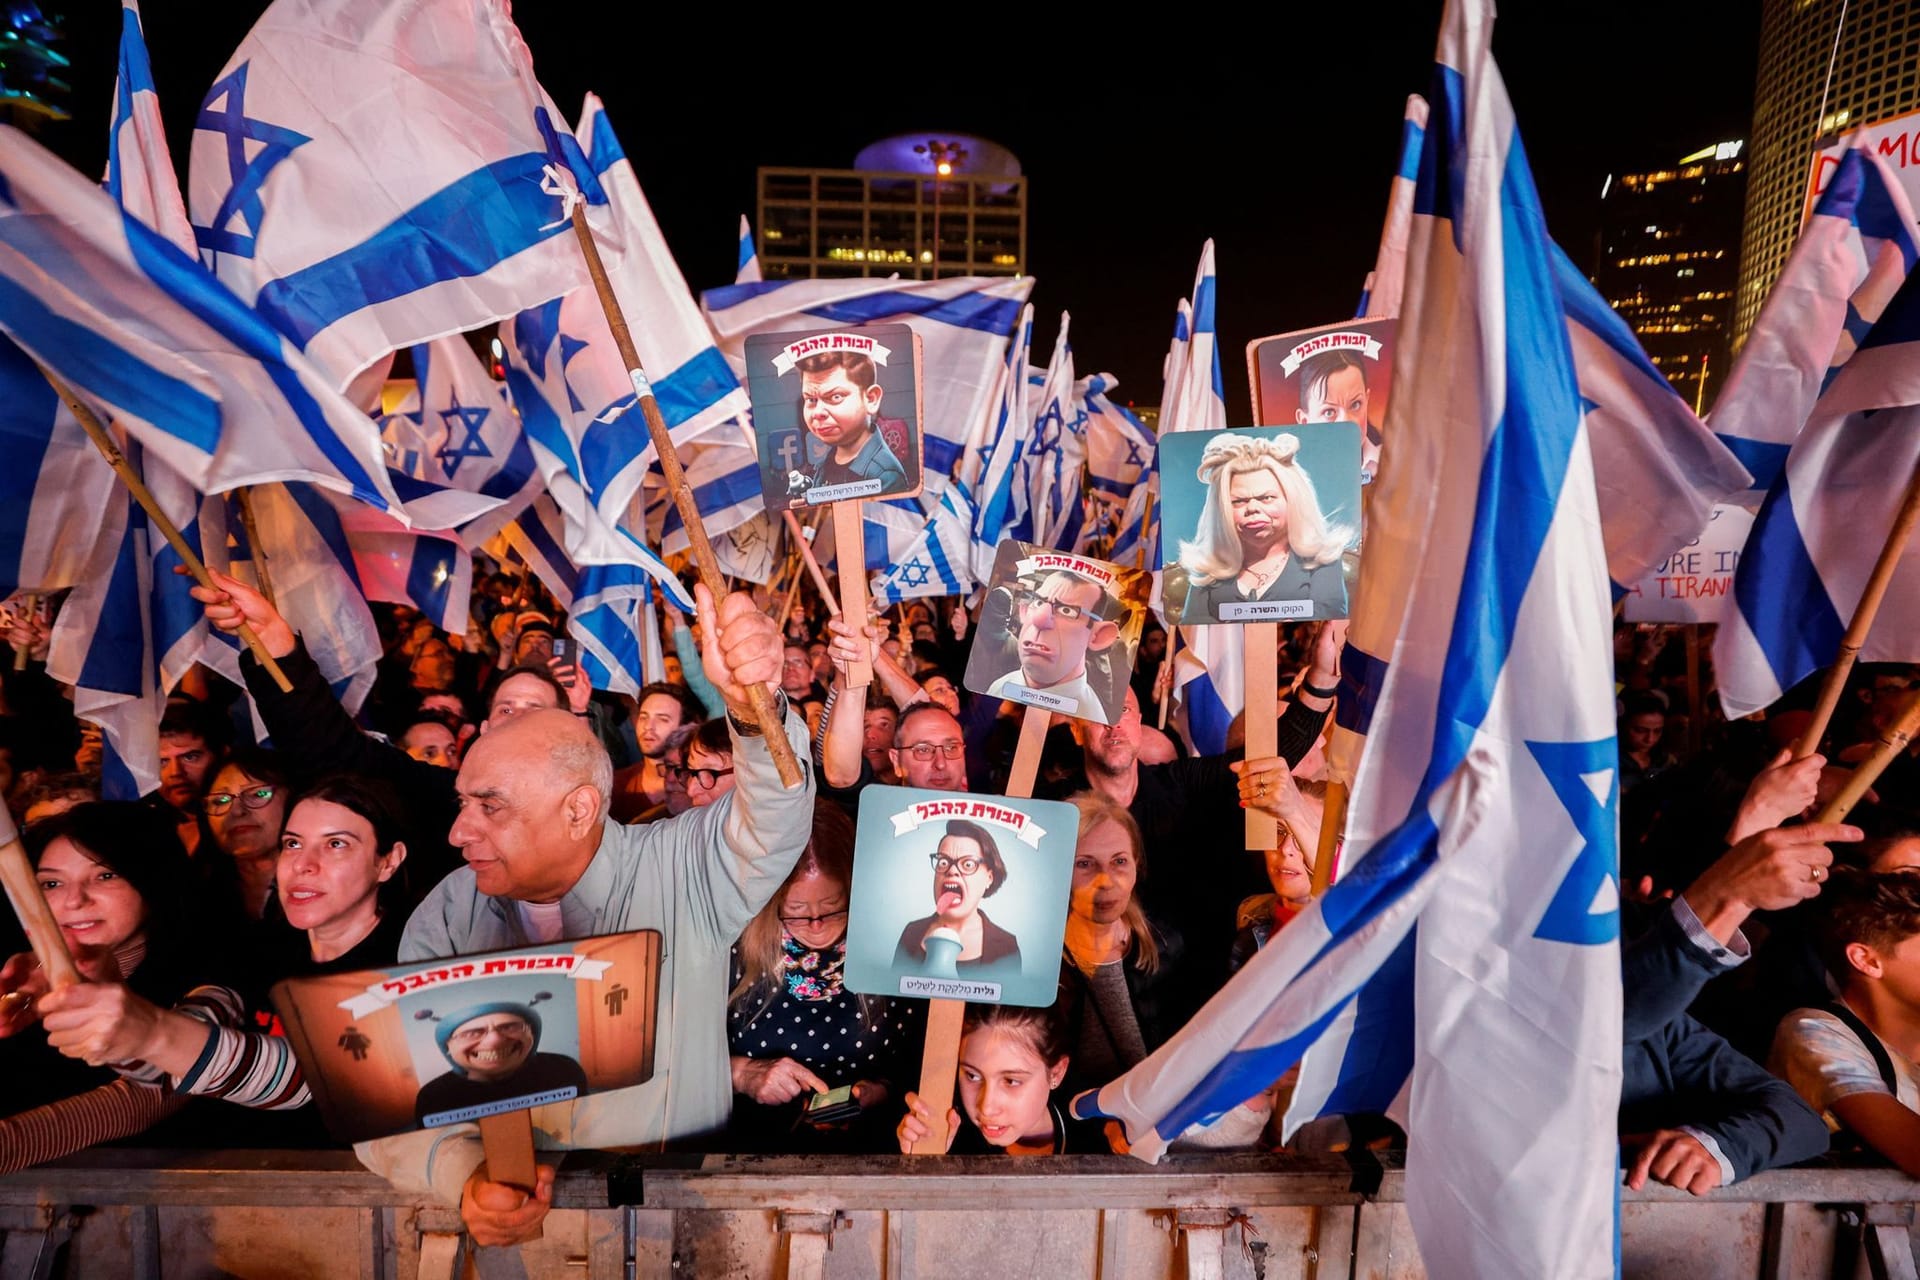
point(1570, 916)
point(1134, 457)
point(915, 573)
point(1046, 432)
point(245, 176)
point(470, 420)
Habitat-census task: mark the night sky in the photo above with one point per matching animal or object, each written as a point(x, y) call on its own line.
point(1140, 139)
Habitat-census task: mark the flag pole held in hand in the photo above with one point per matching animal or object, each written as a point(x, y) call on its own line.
point(43, 932)
point(97, 432)
point(761, 697)
point(1863, 614)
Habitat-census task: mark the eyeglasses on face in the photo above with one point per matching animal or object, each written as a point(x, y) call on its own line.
point(221, 802)
point(705, 777)
point(814, 922)
point(924, 751)
point(965, 866)
point(1027, 600)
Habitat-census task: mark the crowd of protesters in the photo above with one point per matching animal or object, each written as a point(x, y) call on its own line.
point(486, 796)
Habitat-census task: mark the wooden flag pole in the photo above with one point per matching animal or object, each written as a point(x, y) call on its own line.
point(849, 552)
point(1146, 519)
point(812, 561)
point(761, 696)
point(940, 1060)
point(1892, 743)
point(1263, 719)
point(30, 601)
point(791, 594)
point(1332, 819)
point(97, 432)
point(1863, 614)
point(23, 890)
point(262, 578)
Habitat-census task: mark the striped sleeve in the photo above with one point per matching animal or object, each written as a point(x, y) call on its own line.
point(244, 1067)
point(218, 1006)
point(116, 1110)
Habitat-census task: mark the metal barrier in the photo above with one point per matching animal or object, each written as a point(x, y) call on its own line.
point(285, 1215)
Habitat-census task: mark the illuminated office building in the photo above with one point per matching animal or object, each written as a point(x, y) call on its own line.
point(916, 205)
point(1669, 262)
point(1875, 76)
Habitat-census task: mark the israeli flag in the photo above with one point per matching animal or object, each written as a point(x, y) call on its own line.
point(1059, 451)
point(1381, 296)
point(1209, 676)
point(1139, 536)
point(372, 174)
point(54, 486)
point(939, 561)
point(454, 447)
point(724, 474)
point(1482, 832)
point(1821, 528)
point(964, 323)
point(137, 326)
point(1001, 507)
point(1119, 454)
point(609, 606)
point(1852, 256)
point(748, 272)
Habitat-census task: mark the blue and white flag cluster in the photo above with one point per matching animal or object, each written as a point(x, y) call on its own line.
point(609, 606)
point(1825, 518)
point(376, 175)
point(1852, 256)
point(1120, 453)
point(457, 454)
point(1481, 843)
point(1058, 454)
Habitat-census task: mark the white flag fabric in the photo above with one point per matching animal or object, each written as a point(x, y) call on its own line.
point(137, 326)
point(1119, 455)
point(1820, 530)
point(1485, 808)
point(1387, 280)
point(1209, 671)
point(1058, 454)
point(456, 452)
point(1851, 257)
point(372, 174)
point(748, 270)
point(608, 606)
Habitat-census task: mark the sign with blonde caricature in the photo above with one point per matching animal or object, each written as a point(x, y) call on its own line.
point(959, 897)
point(1334, 373)
point(1259, 524)
point(417, 1046)
point(1058, 631)
point(836, 413)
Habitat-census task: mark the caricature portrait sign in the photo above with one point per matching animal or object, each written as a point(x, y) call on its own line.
point(1259, 522)
point(836, 413)
point(1058, 631)
point(958, 896)
point(1334, 373)
point(449, 1041)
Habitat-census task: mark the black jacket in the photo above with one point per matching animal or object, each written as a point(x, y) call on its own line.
point(1676, 1072)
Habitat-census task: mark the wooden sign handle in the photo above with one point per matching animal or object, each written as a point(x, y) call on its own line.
point(508, 1141)
point(1263, 719)
point(939, 1065)
point(1026, 754)
point(849, 550)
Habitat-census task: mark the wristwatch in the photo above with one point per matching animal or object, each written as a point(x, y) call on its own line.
point(751, 728)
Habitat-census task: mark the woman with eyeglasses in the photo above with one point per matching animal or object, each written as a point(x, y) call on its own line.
point(708, 772)
point(244, 810)
point(795, 1033)
point(967, 868)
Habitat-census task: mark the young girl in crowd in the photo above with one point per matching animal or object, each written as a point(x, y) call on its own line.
point(1011, 1060)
